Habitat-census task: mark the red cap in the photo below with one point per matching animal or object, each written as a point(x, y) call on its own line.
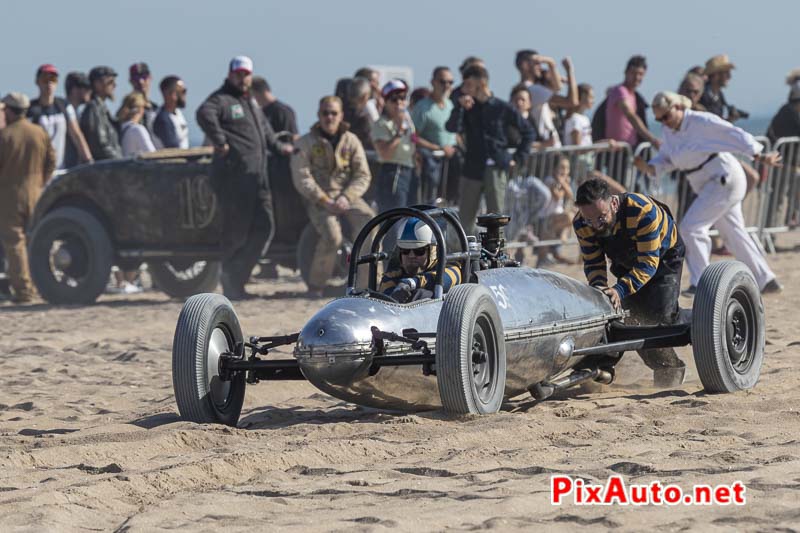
point(48, 69)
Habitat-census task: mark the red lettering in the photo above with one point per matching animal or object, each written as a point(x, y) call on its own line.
point(722, 494)
point(702, 494)
point(559, 486)
point(655, 491)
point(593, 493)
point(672, 494)
point(639, 494)
point(738, 493)
point(579, 491)
point(615, 489)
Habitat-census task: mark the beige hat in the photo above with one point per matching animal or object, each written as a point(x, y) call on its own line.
point(718, 63)
point(793, 76)
point(17, 101)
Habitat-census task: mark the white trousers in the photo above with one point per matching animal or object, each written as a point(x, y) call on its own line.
point(721, 206)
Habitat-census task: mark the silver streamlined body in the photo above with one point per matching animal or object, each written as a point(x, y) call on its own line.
point(545, 316)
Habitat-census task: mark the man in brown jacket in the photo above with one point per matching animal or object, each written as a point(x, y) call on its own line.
point(331, 173)
point(27, 160)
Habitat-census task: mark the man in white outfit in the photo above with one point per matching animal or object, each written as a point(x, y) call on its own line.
point(702, 146)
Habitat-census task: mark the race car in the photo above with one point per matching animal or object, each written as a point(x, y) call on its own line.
point(506, 330)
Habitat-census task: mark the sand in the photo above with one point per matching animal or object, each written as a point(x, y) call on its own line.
point(90, 438)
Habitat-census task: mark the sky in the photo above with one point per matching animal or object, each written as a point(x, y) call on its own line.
point(303, 47)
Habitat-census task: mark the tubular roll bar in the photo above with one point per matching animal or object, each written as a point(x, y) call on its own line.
point(386, 220)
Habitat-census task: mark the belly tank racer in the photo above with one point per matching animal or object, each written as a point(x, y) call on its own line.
point(504, 331)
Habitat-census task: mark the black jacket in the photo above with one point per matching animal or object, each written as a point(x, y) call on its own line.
point(100, 130)
point(785, 123)
point(230, 116)
point(485, 129)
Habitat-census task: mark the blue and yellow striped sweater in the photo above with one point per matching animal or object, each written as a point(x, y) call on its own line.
point(648, 227)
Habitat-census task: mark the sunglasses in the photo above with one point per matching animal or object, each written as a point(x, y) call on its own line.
point(329, 113)
point(664, 117)
point(395, 99)
point(419, 252)
point(445, 82)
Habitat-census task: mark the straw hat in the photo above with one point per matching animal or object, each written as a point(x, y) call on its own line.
point(719, 63)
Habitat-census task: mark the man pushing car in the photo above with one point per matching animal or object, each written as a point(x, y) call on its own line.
point(638, 235)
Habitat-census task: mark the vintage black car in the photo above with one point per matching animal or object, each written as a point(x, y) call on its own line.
point(156, 208)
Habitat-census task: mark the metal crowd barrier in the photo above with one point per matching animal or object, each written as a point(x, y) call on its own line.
point(780, 207)
point(585, 162)
point(771, 206)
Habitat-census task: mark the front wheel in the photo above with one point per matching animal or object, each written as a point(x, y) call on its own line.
point(470, 352)
point(728, 328)
point(207, 328)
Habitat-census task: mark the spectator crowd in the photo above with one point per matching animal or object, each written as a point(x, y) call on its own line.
point(377, 144)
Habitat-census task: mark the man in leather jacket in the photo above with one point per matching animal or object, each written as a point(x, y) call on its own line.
point(97, 124)
point(241, 136)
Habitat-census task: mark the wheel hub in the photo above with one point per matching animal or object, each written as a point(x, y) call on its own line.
point(218, 388)
point(483, 357)
point(62, 259)
point(738, 334)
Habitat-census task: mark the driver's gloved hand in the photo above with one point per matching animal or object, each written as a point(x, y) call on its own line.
point(404, 290)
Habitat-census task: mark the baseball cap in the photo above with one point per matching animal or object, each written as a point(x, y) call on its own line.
point(139, 70)
point(76, 79)
point(17, 101)
point(241, 63)
point(47, 68)
point(100, 72)
point(394, 86)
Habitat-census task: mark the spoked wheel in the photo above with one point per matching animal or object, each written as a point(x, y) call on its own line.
point(207, 328)
point(70, 256)
point(181, 279)
point(470, 352)
point(728, 328)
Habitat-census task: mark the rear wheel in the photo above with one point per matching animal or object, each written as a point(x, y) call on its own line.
point(183, 279)
point(207, 328)
point(728, 328)
point(70, 256)
point(470, 352)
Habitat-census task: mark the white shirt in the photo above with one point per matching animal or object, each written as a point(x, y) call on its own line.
point(700, 135)
point(135, 139)
point(580, 123)
point(372, 110)
point(542, 114)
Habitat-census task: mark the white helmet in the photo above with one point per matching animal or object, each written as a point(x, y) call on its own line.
point(414, 233)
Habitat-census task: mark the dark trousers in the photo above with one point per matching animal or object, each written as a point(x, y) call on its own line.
point(430, 175)
point(656, 303)
point(246, 229)
point(396, 186)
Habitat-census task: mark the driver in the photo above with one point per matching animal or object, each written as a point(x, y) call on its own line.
point(415, 278)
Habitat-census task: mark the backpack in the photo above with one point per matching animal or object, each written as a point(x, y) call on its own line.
point(599, 117)
point(599, 121)
point(35, 111)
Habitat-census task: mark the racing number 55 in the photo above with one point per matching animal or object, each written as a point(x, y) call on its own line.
point(500, 295)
